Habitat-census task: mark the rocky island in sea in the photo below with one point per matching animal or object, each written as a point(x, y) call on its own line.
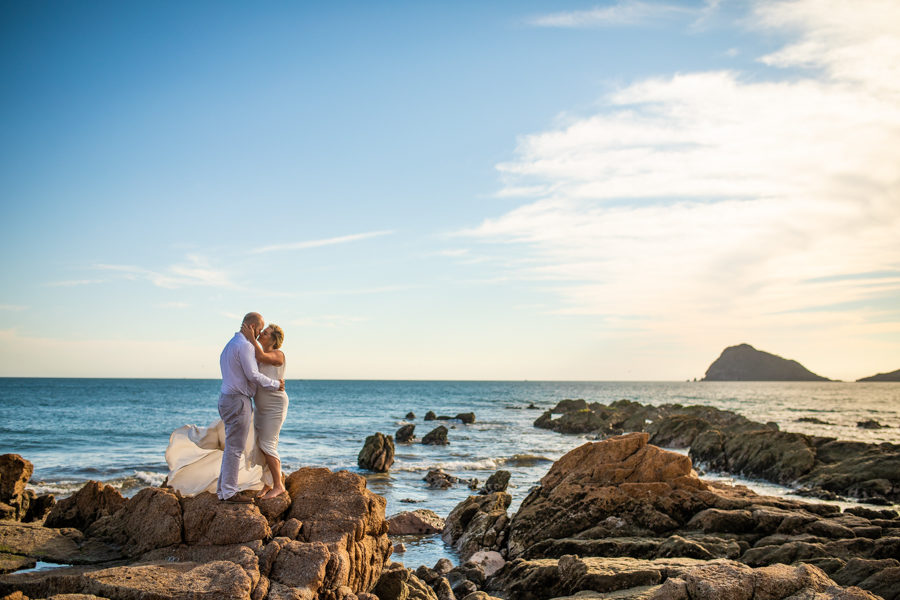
point(745, 363)
point(892, 376)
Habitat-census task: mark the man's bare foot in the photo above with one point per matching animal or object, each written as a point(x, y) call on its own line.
point(263, 492)
point(273, 493)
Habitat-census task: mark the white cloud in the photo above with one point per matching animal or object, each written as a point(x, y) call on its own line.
point(627, 12)
point(344, 239)
point(717, 200)
point(73, 282)
point(195, 271)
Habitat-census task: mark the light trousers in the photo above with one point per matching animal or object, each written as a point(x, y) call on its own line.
point(235, 412)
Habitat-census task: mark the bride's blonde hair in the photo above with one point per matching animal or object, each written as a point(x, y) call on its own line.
point(277, 335)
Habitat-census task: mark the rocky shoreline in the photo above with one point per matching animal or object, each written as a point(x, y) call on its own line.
point(617, 518)
point(720, 440)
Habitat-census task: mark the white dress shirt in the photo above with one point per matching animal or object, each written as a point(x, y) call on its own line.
point(240, 373)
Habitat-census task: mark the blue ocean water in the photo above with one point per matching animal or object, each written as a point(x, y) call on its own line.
point(116, 430)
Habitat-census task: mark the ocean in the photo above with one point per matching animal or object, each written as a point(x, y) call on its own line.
point(116, 430)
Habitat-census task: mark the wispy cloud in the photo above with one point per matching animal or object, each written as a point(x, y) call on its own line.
point(627, 12)
point(13, 307)
point(175, 305)
point(716, 201)
point(194, 271)
point(73, 282)
point(344, 239)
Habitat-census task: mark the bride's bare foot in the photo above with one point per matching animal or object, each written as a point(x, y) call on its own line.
point(262, 493)
point(273, 493)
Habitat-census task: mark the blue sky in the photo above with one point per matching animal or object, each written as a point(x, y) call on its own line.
point(504, 190)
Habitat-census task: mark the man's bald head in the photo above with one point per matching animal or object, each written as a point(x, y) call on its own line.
point(255, 321)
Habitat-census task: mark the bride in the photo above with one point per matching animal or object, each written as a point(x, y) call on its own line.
point(194, 454)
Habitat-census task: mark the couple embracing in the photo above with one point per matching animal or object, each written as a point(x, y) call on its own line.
point(239, 451)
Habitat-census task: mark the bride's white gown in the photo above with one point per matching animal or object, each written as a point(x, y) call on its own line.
point(194, 457)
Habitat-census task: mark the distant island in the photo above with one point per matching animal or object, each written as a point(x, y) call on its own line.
point(745, 363)
point(892, 376)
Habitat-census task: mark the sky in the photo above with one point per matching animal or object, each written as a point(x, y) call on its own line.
point(461, 190)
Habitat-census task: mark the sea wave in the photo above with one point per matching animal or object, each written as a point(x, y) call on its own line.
point(127, 485)
point(477, 464)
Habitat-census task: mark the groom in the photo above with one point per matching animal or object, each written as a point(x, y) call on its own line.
point(240, 376)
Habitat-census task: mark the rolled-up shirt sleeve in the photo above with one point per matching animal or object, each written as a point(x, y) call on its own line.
point(251, 370)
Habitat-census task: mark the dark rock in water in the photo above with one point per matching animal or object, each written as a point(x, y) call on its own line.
point(532, 406)
point(467, 418)
point(437, 436)
point(870, 424)
point(745, 363)
point(405, 434)
point(497, 482)
point(81, 509)
point(444, 418)
point(377, 453)
point(813, 420)
point(478, 523)
point(410, 415)
point(439, 480)
point(892, 376)
point(430, 416)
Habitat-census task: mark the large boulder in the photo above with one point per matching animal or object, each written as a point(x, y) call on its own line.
point(616, 478)
point(405, 434)
point(81, 509)
point(67, 546)
point(437, 436)
point(478, 523)
point(151, 519)
point(15, 472)
point(211, 522)
point(337, 510)
point(377, 453)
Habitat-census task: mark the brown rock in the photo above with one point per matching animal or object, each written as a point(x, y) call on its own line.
point(273, 508)
point(14, 562)
point(160, 581)
point(437, 436)
point(415, 522)
point(290, 529)
point(15, 472)
point(67, 546)
point(405, 434)
point(439, 480)
point(337, 510)
point(209, 521)
point(81, 509)
point(377, 453)
point(301, 565)
point(151, 519)
point(478, 523)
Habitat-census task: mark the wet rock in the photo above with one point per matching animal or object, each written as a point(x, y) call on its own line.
point(813, 420)
point(437, 436)
point(497, 482)
point(210, 522)
point(14, 562)
point(478, 523)
point(430, 416)
point(399, 548)
point(405, 434)
point(337, 510)
point(870, 424)
point(467, 418)
point(81, 509)
point(410, 415)
point(377, 453)
point(415, 522)
point(439, 480)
